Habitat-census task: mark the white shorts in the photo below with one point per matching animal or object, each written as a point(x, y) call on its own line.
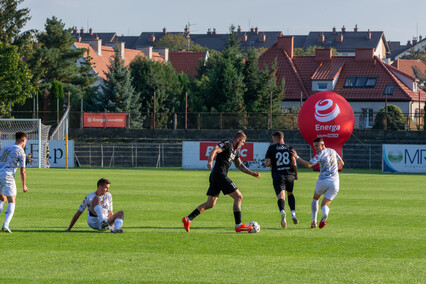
point(328, 188)
point(8, 186)
point(94, 223)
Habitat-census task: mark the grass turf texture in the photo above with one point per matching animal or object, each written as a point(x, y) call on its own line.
point(375, 231)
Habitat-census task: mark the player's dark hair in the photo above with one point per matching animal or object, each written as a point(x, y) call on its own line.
point(20, 135)
point(103, 181)
point(278, 134)
point(318, 139)
point(240, 134)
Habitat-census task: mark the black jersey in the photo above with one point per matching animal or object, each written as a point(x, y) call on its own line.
point(280, 156)
point(225, 159)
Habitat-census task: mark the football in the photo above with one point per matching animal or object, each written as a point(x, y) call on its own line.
point(256, 227)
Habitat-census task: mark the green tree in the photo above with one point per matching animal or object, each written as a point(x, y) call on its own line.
point(416, 54)
point(15, 79)
point(12, 20)
point(55, 60)
point(178, 42)
point(395, 119)
point(117, 93)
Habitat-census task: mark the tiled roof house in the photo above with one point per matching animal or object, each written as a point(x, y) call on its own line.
point(415, 68)
point(188, 62)
point(102, 56)
point(362, 79)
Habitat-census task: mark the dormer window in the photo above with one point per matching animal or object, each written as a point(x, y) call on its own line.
point(389, 90)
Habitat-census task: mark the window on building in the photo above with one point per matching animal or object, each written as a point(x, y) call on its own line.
point(371, 82)
point(389, 90)
point(350, 82)
point(322, 86)
point(360, 82)
point(367, 118)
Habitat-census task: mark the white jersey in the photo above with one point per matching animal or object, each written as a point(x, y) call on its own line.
point(327, 160)
point(11, 157)
point(105, 201)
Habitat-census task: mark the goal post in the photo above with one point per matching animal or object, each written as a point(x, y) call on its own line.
point(37, 132)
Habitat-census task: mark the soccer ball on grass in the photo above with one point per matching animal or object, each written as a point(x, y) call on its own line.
point(256, 227)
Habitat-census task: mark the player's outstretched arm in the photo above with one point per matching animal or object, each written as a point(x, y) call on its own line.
point(74, 219)
point(216, 150)
point(23, 178)
point(239, 165)
point(306, 164)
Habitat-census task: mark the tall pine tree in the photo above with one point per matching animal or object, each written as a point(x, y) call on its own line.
point(117, 93)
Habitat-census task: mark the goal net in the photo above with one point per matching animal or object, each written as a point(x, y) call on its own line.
point(37, 133)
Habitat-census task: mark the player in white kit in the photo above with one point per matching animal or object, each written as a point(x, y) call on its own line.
point(328, 181)
point(11, 157)
point(99, 206)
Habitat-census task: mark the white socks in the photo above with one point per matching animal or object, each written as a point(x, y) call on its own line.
point(98, 211)
point(118, 223)
point(314, 209)
point(1, 206)
point(9, 214)
point(293, 213)
point(325, 211)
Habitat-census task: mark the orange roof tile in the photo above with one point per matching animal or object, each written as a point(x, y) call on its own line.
point(100, 63)
point(299, 71)
point(187, 62)
point(406, 66)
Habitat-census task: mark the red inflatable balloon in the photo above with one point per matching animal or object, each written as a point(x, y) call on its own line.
point(329, 116)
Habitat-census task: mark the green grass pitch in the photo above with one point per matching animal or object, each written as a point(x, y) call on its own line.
point(375, 232)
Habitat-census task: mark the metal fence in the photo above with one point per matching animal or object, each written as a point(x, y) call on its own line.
point(217, 120)
point(368, 156)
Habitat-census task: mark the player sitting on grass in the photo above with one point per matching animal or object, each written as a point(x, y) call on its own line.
point(11, 157)
point(99, 205)
point(227, 152)
point(328, 181)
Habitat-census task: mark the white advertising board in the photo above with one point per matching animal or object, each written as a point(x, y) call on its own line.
point(56, 151)
point(404, 158)
point(195, 155)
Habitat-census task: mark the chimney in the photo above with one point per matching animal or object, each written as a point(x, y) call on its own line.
point(343, 29)
point(281, 34)
point(356, 28)
point(334, 30)
point(239, 29)
point(364, 54)
point(97, 46)
point(408, 42)
point(368, 34)
point(252, 30)
point(414, 41)
point(262, 37)
point(147, 51)
point(420, 38)
point(286, 43)
point(165, 53)
point(79, 39)
point(209, 31)
point(151, 38)
point(323, 54)
point(186, 30)
point(214, 31)
point(91, 31)
point(244, 37)
point(339, 38)
point(120, 46)
point(256, 30)
point(164, 31)
point(82, 31)
point(321, 37)
point(75, 31)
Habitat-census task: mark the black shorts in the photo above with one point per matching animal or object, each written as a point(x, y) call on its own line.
point(283, 182)
point(220, 183)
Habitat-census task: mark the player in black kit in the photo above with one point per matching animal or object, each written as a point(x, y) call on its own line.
point(227, 152)
point(284, 172)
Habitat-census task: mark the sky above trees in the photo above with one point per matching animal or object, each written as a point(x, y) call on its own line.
point(400, 20)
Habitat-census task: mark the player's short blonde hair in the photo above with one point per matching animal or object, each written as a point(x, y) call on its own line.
point(278, 134)
point(240, 134)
